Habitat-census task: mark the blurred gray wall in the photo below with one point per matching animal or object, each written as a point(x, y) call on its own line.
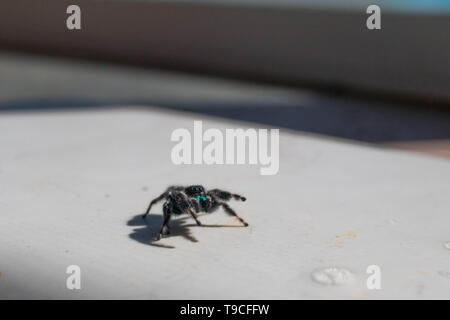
point(409, 57)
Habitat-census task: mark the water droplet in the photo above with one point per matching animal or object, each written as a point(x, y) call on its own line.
point(447, 245)
point(332, 276)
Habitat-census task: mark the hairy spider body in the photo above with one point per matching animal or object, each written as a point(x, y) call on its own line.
point(192, 200)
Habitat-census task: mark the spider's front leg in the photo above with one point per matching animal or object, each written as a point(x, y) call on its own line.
point(230, 211)
point(225, 195)
point(191, 212)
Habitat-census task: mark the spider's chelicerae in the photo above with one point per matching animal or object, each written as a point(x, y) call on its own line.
point(192, 200)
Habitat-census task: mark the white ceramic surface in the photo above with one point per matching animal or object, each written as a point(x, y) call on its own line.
point(73, 185)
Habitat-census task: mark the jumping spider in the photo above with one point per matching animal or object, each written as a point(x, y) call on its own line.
point(180, 200)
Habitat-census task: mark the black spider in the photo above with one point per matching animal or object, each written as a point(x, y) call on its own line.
point(181, 200)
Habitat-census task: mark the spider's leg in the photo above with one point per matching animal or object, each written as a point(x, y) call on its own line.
point(230, 211)
point(225, 195)
point(191, 212)
point(162, 196)
point(167, 215)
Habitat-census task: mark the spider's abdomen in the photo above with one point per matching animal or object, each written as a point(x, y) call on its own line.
point(180, 202)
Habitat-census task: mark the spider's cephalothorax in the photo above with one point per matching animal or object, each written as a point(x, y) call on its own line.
point(192, 200)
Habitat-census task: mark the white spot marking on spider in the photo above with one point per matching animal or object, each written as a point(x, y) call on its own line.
point(332, 276)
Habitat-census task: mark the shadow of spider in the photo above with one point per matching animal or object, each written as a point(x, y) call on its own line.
point(147, 229)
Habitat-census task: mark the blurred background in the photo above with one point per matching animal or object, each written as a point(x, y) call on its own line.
point(306, 65)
